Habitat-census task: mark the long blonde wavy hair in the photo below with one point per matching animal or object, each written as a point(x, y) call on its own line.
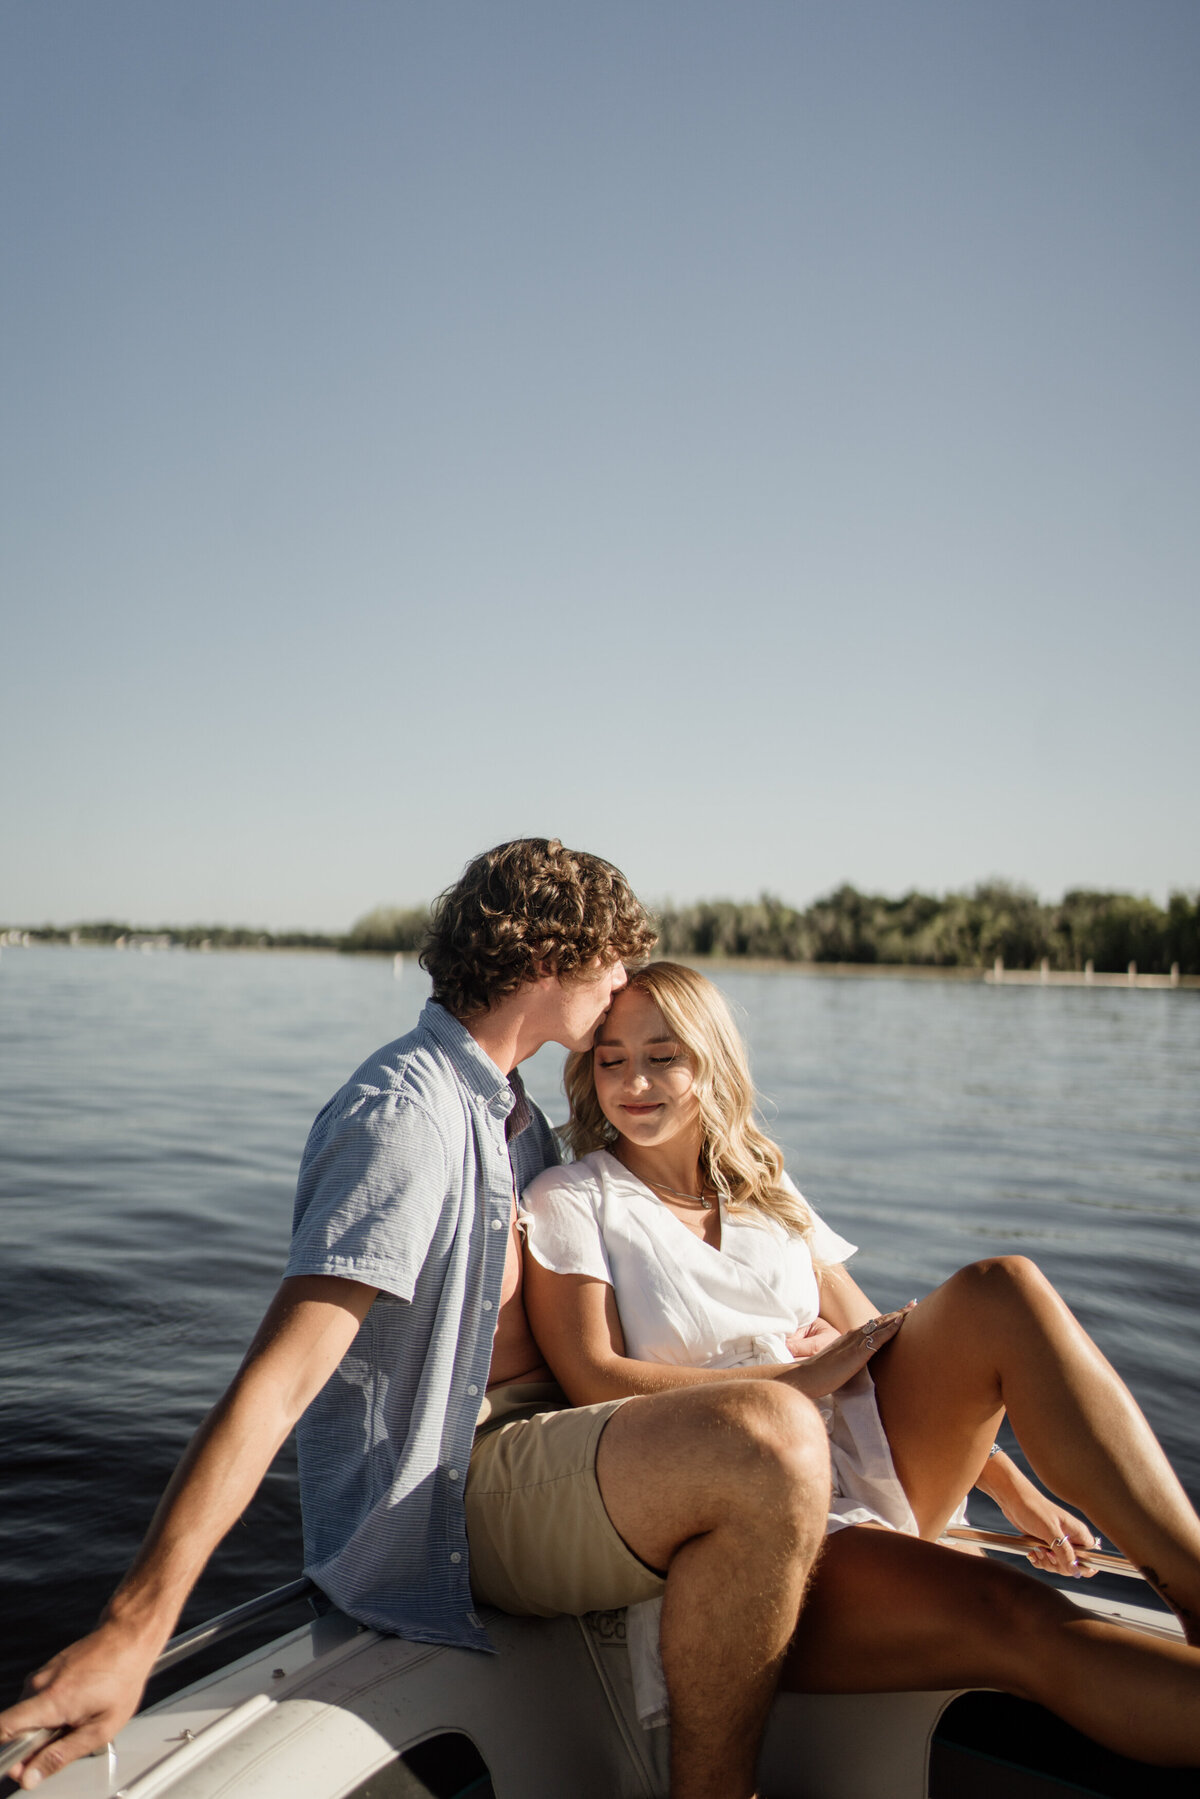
point(736, 1158)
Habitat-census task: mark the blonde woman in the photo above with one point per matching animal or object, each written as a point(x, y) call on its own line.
point(675, 1252)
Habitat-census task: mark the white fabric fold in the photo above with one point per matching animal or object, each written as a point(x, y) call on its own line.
point(683, 1302)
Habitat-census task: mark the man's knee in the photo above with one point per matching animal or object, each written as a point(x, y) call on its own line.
point(749, 1456)
point(772, 1440)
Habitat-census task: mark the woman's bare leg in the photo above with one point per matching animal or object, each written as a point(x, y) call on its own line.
point(997, 1337)
point(890, 1613)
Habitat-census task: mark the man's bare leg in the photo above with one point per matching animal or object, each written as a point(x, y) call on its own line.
point(726, 1487)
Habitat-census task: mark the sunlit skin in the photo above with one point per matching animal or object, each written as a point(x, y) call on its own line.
point(721, 1477)
point(645, 1088)
point(644, 1083)
point(885, 1611)
point(569, 1012)
point(94, 1685)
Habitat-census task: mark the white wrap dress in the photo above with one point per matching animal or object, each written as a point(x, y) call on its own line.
point(682, 1301)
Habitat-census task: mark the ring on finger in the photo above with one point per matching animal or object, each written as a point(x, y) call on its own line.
point(1058, 1542)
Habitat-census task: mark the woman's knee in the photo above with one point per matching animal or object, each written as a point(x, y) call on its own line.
point(1003, 1280)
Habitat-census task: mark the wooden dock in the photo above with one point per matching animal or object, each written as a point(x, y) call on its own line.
point(1045, 976)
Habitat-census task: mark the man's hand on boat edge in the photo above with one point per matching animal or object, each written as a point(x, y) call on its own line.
point(90, 1690)
point(86, 1694)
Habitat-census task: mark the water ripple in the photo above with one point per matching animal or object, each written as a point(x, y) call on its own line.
point(153, 1108)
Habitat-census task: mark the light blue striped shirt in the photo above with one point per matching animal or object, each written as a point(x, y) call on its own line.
point(406, 1183)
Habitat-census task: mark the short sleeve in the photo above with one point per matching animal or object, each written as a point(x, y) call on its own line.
point(825, 1245)
point(563, 1233)
point(372, 1188)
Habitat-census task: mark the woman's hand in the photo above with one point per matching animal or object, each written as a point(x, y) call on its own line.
point(830, 1368)
point(810, 1338)
point(1028, 1508)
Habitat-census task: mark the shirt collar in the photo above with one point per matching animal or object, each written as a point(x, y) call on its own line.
point(501, 1094)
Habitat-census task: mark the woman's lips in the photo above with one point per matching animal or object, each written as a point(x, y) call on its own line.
point(641, 1111)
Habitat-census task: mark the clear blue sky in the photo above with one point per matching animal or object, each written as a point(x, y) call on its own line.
point(758, 442)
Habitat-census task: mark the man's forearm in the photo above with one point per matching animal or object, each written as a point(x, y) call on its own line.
point(218, 1476)
point(307, 1329)
point(91, 1688)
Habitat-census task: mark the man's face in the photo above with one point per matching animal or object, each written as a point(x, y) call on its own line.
point(579, 1002)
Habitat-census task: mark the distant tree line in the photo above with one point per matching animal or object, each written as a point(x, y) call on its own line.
point(389, 929)
point(198, 936)
point(958, 930)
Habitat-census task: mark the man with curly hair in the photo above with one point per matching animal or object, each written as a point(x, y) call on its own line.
point(429, 1429)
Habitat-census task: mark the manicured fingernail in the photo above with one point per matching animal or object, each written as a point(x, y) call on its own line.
point(32, 1779)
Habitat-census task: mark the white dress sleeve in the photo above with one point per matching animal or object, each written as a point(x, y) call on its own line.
point(826, 1245)
point(561, 1214)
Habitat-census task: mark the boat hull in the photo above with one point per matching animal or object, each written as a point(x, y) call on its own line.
point(328, 1710)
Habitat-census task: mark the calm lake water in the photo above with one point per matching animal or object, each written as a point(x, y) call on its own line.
point(152, 1112)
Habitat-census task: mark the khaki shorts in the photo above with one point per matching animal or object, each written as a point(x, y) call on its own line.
point(540, 1539)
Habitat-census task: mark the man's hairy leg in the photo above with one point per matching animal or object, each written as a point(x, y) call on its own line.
point(726, 1487)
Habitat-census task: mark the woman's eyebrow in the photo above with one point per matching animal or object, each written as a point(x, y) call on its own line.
point(617, 1042)
point(605, 1042)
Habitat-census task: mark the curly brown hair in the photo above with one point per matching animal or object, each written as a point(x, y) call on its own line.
point(524, 909)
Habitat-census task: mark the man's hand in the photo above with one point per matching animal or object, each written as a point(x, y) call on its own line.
point(89, 1691)
point(810, 1338)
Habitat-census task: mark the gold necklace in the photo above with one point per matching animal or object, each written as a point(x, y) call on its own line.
point(700, 1199)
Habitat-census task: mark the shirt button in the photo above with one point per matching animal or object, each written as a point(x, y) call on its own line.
point(473, 1391)
point(487, 1305)
point(453, 1473)
point(455, 1557)
point(497, 1224)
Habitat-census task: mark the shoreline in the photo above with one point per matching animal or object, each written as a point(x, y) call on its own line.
point(921, 971)
point(994, 976)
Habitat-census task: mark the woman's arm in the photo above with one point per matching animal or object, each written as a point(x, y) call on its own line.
point(843, 1302)
point(1025, 1506)
point(578, 1329)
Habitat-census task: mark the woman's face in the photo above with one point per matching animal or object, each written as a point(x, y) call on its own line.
point(643, 1075)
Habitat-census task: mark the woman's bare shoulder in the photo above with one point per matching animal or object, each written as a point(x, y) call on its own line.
point(576, 1178)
